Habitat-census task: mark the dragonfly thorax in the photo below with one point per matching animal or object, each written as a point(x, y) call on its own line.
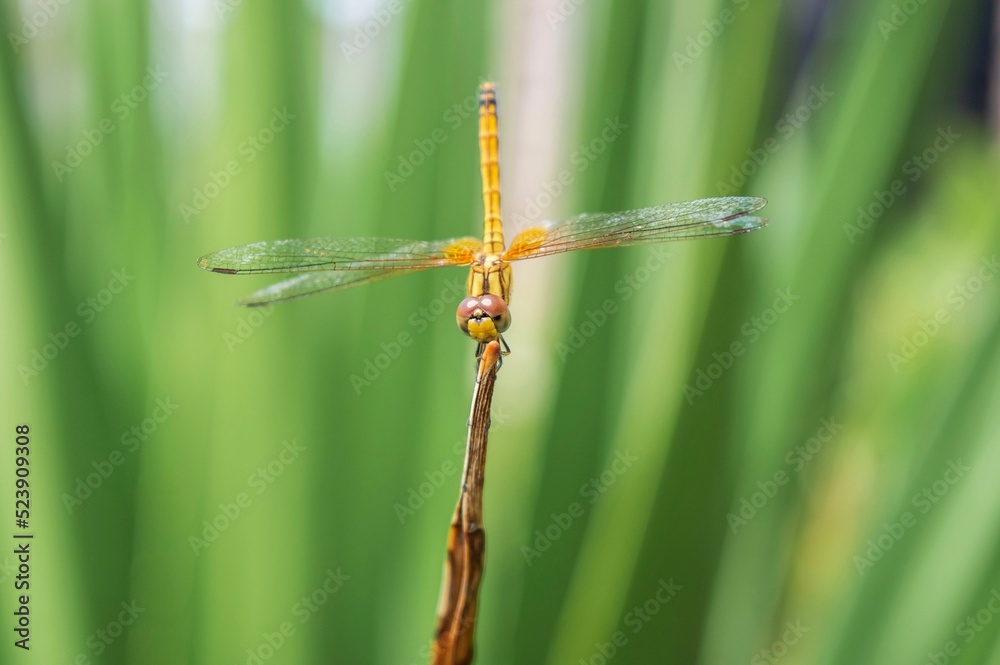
point(489, 273)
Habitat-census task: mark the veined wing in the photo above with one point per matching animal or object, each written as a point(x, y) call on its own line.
point(330, 264)
point(311, 283)
point(336, 254)
point(704, 218)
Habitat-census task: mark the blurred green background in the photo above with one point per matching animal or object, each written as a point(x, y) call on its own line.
point(775, 447)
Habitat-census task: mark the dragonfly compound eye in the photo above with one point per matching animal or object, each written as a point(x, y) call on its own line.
point(483, 319)
point(496, 309)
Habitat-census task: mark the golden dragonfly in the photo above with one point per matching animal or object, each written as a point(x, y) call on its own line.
point(330, 264)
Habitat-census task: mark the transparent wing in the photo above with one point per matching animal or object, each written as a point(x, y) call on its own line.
point(704, 218)
point(310, 283)
point(347, 254)
point(330, 264)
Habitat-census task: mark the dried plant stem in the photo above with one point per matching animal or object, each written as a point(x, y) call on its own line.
point(463, 568)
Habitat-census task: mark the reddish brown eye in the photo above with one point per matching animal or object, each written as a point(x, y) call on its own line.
point(466, 310)
point(483, 319)
point(496, 309)
point(468, 306)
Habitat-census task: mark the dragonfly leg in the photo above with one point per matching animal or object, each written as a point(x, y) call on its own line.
point(505, 351)
point(479, 356)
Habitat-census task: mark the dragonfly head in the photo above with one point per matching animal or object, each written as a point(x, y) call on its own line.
point(483, 318)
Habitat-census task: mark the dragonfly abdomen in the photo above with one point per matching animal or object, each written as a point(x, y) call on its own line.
point(489, 159)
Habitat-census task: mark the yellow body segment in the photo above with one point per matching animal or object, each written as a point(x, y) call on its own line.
point(489, 273)
point(489, 162)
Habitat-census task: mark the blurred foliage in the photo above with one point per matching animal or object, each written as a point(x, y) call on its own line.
point(776, 447)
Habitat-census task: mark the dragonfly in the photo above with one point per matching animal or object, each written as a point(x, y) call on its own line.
point(321, 265)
